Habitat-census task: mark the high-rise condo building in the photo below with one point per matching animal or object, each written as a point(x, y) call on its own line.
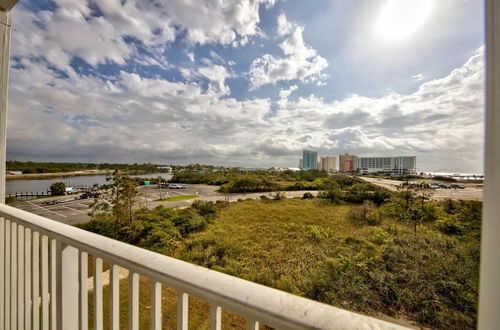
point(388, 165)
point(328, 164)
point(309, 159)
point(347, 163)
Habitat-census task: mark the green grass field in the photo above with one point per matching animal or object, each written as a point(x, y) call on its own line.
point(310, 248)
point(178, 198)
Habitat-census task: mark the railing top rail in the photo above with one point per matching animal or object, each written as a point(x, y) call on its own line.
point(269, 306)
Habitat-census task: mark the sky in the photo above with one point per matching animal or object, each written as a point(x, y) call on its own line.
point(247, 83)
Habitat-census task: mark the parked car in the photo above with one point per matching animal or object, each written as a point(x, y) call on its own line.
point(89, 194)
point(177, 186)
point(52, 202)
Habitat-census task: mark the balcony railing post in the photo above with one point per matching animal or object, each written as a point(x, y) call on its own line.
point(489, 290)
point(2, 270)
point(5, 26)
point(68, 283)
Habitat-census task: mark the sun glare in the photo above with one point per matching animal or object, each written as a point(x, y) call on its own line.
point(399, 19)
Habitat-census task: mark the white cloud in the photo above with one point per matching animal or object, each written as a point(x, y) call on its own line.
point(216, 57)
point(300, 61)
point(190, 56)
point(284, 26)
point(216, 21)
point(418, 77)
point(284, 94)
point(216, 74)
point(75, 29)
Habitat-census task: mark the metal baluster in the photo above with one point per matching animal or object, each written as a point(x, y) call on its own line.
point(20, 277)
point(133, 300)
point(155, 305)
point(13, 276)
point(114, 296)
point(215, 317)
point(98, 319)
point(252, 324)
point(2, 274)
point(53, 283)
point(35, 281)
point(84, 292)
point(45, 282)
point(182, 311)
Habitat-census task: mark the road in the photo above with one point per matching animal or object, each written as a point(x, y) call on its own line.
point(472, 191)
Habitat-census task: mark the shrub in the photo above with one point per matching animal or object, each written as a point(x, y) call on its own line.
point(379, 236)
point(10, 200)
point(317, 233)
point(189, 221)
point(307, 195)
point(206, 209)
point(450, 225)
point(360, 192)
point(58, 189)
point(368, 214)
point(444, 178)
point(279, 196)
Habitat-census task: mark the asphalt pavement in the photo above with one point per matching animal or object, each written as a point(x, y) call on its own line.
point(71, 211)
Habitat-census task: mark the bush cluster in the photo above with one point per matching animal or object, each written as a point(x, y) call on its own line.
point(160, 229)
point(430, 277)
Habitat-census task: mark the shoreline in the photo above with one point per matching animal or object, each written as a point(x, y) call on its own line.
point(42, 176)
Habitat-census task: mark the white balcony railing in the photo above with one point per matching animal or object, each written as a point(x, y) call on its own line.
point(44, 275)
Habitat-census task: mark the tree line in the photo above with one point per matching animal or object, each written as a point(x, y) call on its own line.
point(30, 167)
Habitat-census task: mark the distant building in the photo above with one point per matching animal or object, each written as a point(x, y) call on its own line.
point(328, 164)
point(348, 163)
point(309, 159)
point(168, 168)
point(387, 165)
point(14, 172)
point(301, 163)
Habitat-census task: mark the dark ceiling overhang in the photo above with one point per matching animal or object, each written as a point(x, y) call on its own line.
point(6, 5)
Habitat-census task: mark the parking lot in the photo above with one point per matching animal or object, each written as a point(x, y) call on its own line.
point(69, 211)
point(471, 191)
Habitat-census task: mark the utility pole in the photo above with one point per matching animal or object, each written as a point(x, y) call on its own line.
point(159, 185)
point(5, 27)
